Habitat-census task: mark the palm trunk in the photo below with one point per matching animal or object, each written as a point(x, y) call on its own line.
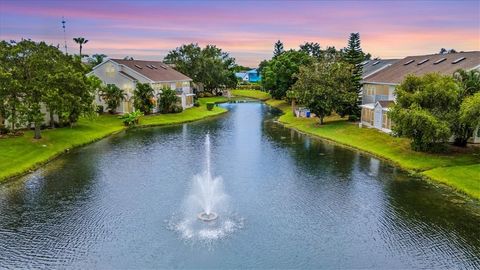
point(321, 119)
point(80, 52)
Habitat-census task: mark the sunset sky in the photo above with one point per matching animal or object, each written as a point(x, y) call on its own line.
point(245, 29)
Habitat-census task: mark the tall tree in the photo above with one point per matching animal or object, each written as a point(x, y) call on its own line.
point(312, 49)
point(278, 48)
point(210, 67)
point(353, 55)
point(322, 86)
point(277, 76)
point(424, 110)
point(469, 82)
point(11, 91)
point(80, 41)
point(143, 98)
point(470, 110)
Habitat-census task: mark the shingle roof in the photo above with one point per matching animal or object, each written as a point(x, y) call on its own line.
point(370, 67)
point(154, 70)
point(422, 64)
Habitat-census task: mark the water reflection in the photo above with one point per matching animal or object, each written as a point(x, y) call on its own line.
point(306, 204)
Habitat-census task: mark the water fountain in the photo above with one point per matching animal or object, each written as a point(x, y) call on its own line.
point(207, 191)
point(206, 213)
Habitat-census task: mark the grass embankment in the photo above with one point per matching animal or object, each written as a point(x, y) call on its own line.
point(19, 155)
point(456, 169)
point(251, 94)
point(188, 115)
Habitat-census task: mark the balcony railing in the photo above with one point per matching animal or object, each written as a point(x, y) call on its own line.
point(373, 98)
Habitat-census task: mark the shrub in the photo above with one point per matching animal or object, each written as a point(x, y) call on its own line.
point(4, 130)
point(143, 98)
point(168, 101)
point(100, 109)
point(131, 119)
point(210, 106)
point(353, 118)
point(196, 103)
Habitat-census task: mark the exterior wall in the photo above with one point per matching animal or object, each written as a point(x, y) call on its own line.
point(367, 116)
point(372, 93)
point(109, 74)
point(386, 121)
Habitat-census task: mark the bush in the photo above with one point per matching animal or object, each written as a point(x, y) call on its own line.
point(177, 109)
point(196, 103)
point(131, 119)
point(168, 101)
point(4, 130)
point(210, 106)
point(353, 118)
point(100, 109)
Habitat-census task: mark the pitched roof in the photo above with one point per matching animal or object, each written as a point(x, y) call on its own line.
point(371, 67)
point(386, 103)
point(421, 64)
point(154, 70)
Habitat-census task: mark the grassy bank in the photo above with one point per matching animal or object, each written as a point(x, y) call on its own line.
point(19, 155)
point(251, 94)
point(454, 169)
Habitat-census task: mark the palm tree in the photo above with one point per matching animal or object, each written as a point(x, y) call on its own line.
point(112, 96)
point(469, 80)
point(80, 41)
point(143, 98)
point(97, 59)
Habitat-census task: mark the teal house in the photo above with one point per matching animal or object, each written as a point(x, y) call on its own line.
point(249, 76)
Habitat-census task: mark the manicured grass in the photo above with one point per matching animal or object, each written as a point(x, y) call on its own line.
point(21, 154)
point(251, 94)
point(396, 150)
point(465, 178)
point(188, 115)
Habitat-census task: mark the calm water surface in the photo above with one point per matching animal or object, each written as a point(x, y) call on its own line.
point(303, 203)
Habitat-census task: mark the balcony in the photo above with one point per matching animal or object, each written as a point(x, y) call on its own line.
point(373, 98)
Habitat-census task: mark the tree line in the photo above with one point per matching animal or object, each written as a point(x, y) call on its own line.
point(36, 77)
point(433, 108)
point(325, 80)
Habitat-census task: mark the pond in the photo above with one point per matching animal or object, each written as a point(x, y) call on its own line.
point(293, 202)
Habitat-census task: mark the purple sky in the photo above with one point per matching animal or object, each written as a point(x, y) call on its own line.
point(245, 29)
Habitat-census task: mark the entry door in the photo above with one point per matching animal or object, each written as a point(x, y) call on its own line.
point(377, 122)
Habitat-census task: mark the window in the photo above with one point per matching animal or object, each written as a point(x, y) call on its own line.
point(423, 61)
point(459, 60)
point(408, 62)
point(439, 61)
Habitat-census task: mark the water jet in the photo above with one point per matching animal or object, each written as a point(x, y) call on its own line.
point(203, 216)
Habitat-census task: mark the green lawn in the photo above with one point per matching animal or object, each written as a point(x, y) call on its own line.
point(188, 115)
point(251, 94)
point(21, 154)
point(397, 150)
point(465, 178)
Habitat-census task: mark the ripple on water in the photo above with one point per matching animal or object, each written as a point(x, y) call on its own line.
point(195, 230)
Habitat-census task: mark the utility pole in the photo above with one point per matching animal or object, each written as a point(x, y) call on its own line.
point(64, 34)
